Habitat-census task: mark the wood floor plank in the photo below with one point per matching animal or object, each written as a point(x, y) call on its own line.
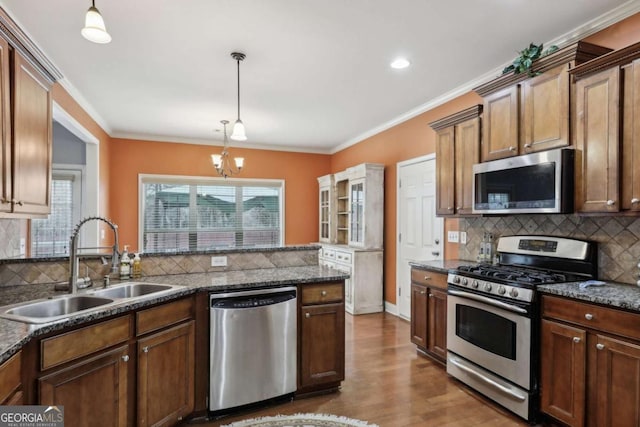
point(389, 384)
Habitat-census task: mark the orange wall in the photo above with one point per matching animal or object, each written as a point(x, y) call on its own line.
point(299, 171)
point(413, 138)
point(622, 34)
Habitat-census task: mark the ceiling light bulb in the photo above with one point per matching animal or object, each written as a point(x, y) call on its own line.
point(239, 162)
point(217, 160)
point(94, 29)
point(400, 63)
point(238, 131)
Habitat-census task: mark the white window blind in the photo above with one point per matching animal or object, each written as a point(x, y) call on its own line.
point(50, 236)
point(186, 215)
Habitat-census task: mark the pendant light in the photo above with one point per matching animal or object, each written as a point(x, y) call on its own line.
point(221, 161)
point(238, 127)
point(94, 29)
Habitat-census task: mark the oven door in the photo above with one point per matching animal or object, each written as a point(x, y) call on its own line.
point(490, 333)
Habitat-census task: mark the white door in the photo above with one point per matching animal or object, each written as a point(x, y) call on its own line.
point(420, 232)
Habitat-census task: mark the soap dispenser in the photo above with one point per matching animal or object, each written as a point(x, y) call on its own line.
point(136, 267)
point(125, 263)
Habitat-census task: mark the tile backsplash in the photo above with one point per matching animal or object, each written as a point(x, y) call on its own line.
point(618, 238)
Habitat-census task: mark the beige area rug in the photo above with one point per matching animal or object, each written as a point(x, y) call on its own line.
point(301, 420)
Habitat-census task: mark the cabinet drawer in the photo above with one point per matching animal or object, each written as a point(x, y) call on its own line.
point(328, 253)
point(592, 316)
point(429, 278)
point(81, 342)
point(321, 293)
point(344, 257)
point(164, 315)
point(10, 376)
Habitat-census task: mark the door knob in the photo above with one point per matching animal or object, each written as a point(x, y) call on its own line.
point(435, 253)
point(437, 242)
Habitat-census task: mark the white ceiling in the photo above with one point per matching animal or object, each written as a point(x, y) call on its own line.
point(317, 73)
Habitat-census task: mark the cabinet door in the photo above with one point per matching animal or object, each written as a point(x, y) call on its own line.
point(500, 132)
point(617, 386)
point(545, 111)
point(437, 325)
point(563, 368)
point(419, 311)
point(93, 392)
point(631, 138)
point(445, 171)
point(324, 213)
point(598, 142)
point(31, 139)
point(467, 153)
point(166, 376)
point(356, 212)
point(5, 129)
point(321, 344)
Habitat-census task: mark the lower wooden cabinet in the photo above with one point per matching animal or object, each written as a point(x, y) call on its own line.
point(11, 381)
point(166, 376)
point(320, 336)
point(590, 364)
point(429, 312)
point(92, 391)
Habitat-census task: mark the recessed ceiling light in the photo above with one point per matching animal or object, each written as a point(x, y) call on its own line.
point(400, 63)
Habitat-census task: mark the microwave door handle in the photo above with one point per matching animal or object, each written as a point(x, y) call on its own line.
point(489, 301)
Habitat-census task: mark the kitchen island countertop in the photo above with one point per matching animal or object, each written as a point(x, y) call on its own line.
point(14, 335)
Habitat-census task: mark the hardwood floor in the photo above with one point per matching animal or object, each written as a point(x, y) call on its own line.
point(388, 384)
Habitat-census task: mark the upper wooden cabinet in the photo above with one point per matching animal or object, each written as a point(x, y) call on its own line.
point(523, 115)
point(607, 132)
point(457, 150)
point(26, 78)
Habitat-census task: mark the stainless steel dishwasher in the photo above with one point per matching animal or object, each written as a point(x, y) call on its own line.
point(253, 346)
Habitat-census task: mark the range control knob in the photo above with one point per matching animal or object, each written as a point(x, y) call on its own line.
point(487, 287)
point(475, 284)
point(514, 293)
point(501, 290)
point(465, 282)
point(456, 279)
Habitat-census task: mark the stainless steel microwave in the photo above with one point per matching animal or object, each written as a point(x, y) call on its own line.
point(534, 183)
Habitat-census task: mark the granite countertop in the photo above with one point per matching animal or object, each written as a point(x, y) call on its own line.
point(13, 334)
point(440, 266)
point(613, 294)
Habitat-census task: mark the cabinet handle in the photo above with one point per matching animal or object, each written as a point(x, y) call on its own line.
point(527, 145)
point(427, 277)
point(610, 202)
point(423, 292)
point(17, 202)
point(635, 201)
point(588, 316)
point(307, 315)
point(450, 208)
point(323, 293)
point(430, 295)
point(576, 340)
point(458, 208)
point(512, 148)
point(145, 349)
point(125, 357)
point(600, 346)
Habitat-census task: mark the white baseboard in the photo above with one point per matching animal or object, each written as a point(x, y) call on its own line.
point(391, 308)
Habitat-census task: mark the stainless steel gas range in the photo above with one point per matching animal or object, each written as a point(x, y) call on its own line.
point(493, 342)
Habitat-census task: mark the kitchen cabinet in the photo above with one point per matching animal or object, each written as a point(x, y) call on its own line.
point(11, 381)
point(87, 371)
point(429, 312)
point(607, 132)
point(326, 231)
point(590, 363)
point(166, 371)
point(320, 336)
point(364, 287)
point(457, 150)
point(524, 114)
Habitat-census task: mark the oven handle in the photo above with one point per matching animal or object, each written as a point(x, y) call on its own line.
point(487, 380)
point(489, 301)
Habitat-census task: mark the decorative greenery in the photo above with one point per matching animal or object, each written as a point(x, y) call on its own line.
point(523, 63)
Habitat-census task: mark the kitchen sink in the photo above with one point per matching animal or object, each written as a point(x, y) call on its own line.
point(132, 290)
point(43, 311)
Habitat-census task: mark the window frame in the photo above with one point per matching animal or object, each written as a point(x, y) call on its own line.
point(206, 180)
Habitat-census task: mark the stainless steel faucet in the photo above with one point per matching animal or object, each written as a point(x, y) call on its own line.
point(73, 253)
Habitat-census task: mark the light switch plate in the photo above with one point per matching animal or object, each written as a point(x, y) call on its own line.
point(453, 237)
point(463, 237)
point(218, 261)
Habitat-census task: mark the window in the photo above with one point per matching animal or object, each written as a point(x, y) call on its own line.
point(191, 214)
point(50, 236)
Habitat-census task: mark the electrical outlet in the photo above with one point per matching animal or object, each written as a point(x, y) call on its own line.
point(463, 237)
point(218, 261)
point(23, 246)
point(453, 237)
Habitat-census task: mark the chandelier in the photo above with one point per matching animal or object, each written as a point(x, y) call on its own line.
point(222, 162)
